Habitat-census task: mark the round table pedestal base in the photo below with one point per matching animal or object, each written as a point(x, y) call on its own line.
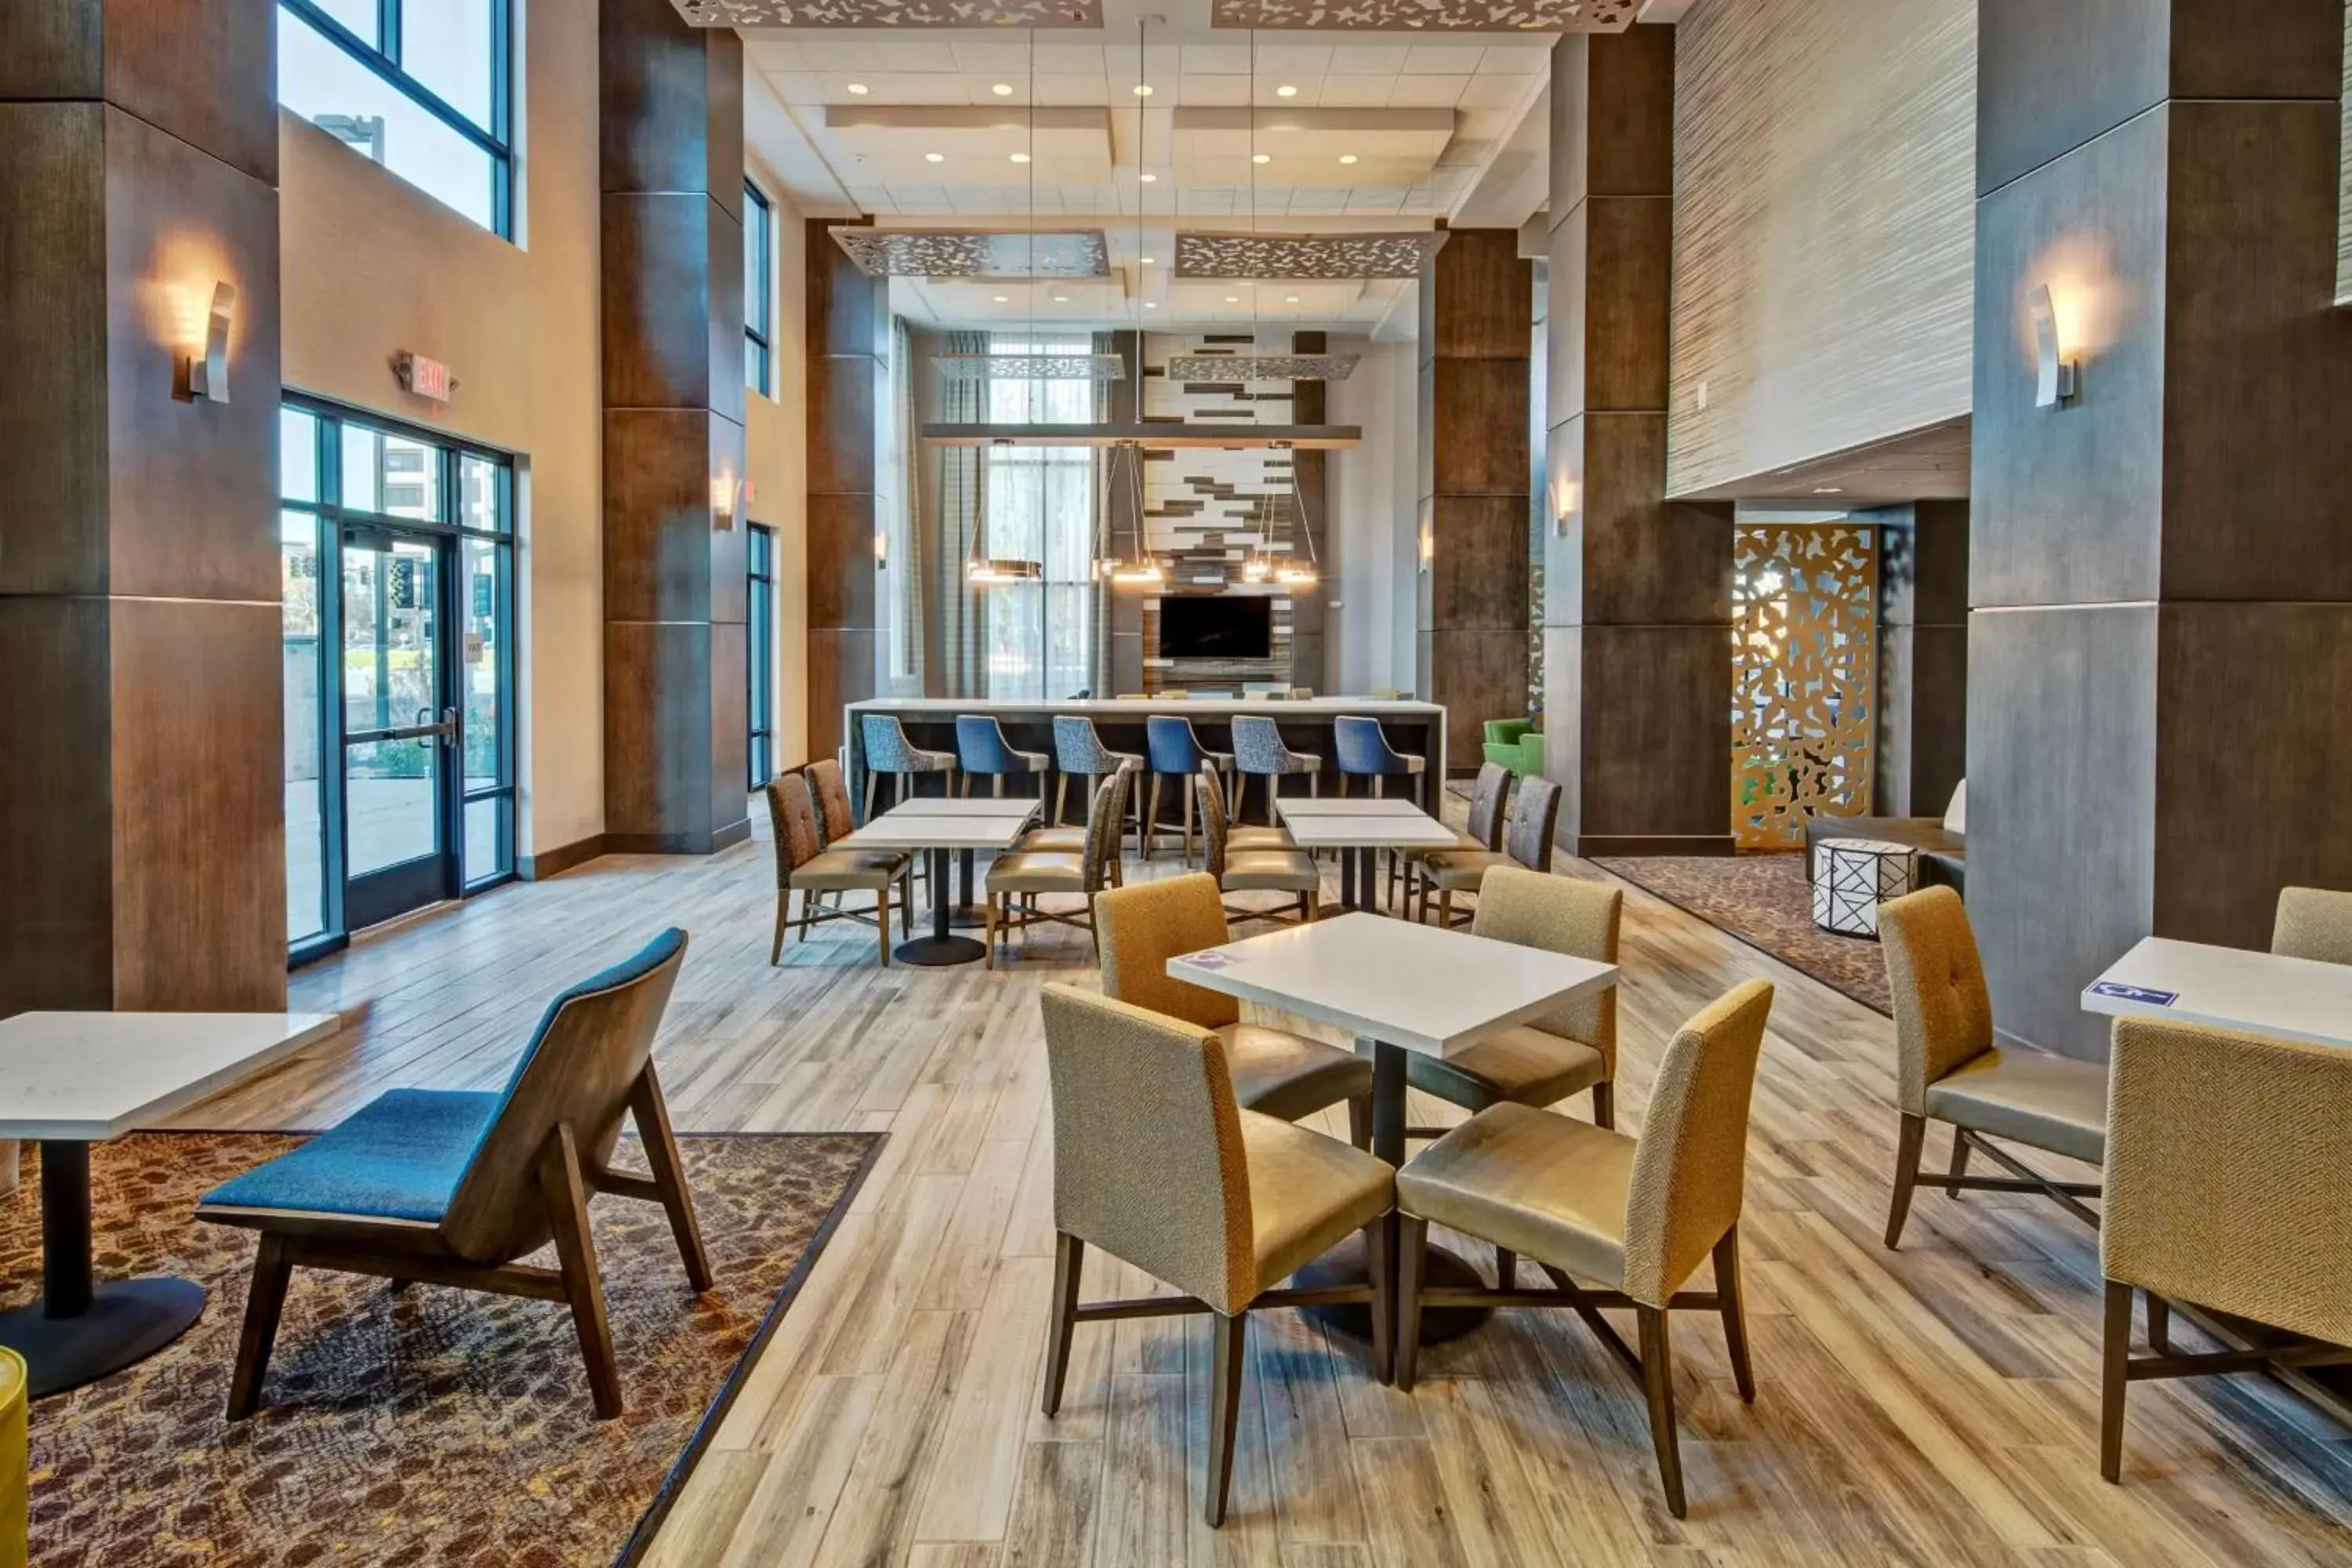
point(128, 1320)
point(966, 916)
point(1442, 1270)
point(937, 952)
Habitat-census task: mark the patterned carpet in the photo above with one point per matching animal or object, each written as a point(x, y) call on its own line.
point(436, 1425)
point(1766, 902)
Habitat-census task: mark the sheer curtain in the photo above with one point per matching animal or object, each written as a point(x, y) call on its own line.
point(1040, 504)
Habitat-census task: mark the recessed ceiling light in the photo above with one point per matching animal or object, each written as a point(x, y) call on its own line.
point(1232, 298)
point(935, 157)
point(1347, 157)
point(1829, 489)
point(1020, 157)
point(1061, 299)
point(1261, 157)
point(1150, 305)
point(1150, 179)
point(858, 87)
point(1000, 299)
point(1286, 90)
point(1142, 89)
point(1290, 299)
point(1151, 261)
point(1002, 90)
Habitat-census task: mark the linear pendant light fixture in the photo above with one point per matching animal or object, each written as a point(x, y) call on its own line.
point(1139, 570)
point(992, 571)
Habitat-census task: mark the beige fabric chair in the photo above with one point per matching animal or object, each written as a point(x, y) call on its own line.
point(1527, 841)
point(1266, 871)
point(1275, 1072)
point(1489, 794)
point(1241, 835)
point(2227, 1156)
point(1947, 1068)
point(804, 867)
point(1632, 1216)
point(837, 821)
point(1155, 1164)
point(2314, 923)
point(1017, 880)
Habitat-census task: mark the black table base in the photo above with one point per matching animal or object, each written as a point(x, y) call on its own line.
point(1360, 882)
point(940, 949)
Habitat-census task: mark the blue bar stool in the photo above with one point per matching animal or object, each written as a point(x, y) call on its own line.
point(1364, 752)
point(1258, 753)
point(1176, 751)
point(982, 748)
point(1077, 748)
point(887, 751)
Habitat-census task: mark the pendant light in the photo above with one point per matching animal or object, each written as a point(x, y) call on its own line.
point(983, 571)
point(1139, 570)
point(1258, 564)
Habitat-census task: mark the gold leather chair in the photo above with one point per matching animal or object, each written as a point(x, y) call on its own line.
point(1632, 1216)
point(805, 866)
point(1489, 794)
point(1257, 870)
point(2314, 923)
point(1241, 835)
point(16, 1472)
point(1948, 1069)
point(1275, 1072)
point(835, 819)
point(2224, 1190)
point(1155, 1164)
point(1015, 881)
point(1527, 841)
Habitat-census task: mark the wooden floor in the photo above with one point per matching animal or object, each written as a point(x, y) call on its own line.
point(1936, 1406)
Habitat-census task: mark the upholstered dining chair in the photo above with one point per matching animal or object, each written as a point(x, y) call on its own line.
point(1362, 749)
point(1157, 1163)
point(1259, 752)
point(1266, 868)
point(1239, 836)
point(2226, 1154)
point(1632, 1216)
point(887, 751)
point(1526, 842)
point(982, 750)
point(2315, 923)
point(1948, 1069)
point(1481, 829)
point(455, 1187)
point(1275, 1072)
point(1017, 880)
point(805, 866)
point(837, 821)
point(1174, 751)
point(1079, 752)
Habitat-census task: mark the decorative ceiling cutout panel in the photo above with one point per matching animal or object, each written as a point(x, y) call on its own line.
point(1303, 256)
point(1211, 367)
point(1032, 367)
point(891, 13)
point(976, 253)
point(1428, 16)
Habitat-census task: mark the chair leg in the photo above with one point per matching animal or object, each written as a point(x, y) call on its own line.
point(1913, 1134)
point(872, 778)
point(2159, 1324)
point(1735, 1312)
point(1658, 1381)
point(1359, 1124)
point(1226, 1338)
point(1314, 907)
point(1383, 1307)
point(1506, 1270)
point(566, 1197)
point(882, 922)
point(1604, 1104)
point(1061, 796)
point(1069, 1258)
point(1151, 818)
point(1314, 785)
point(1412, 1244)
point(1445, 908)
point(783, 919)
point(988, 940)
point(1959, 1162)
point(1192, 796)
point(2114, 1358)
point(652, 1115)
point(264, 1302)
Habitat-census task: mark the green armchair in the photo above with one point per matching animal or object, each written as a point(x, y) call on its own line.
point(1515, 744)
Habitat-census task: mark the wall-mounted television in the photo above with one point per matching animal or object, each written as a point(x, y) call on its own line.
point(1215, 626)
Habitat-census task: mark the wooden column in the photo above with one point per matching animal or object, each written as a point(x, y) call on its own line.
point(143, 840)
point(1478, 306)
point(1123, 660)
point(1923, 656)
point(675, 595)
point(1310, 405)
point(1637, 589)
point(848, 384)
point(2160, 636)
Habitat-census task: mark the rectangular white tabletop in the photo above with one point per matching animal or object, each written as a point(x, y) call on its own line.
point(87, 1077)
point(2230, 988)
point(899, 828)
point(1370, 833)
point(981, 806)
point(1395, 981)
point(1354, 805)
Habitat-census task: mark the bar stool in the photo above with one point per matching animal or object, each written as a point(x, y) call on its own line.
point(1079, 750)
point(1258, 752)
point(982, 748)
point(1175, 749)
point(887, 751)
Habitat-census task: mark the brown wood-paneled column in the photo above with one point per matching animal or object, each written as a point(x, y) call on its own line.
point(1123, 660)
point(1478, 311)
point(142, 839)
point(2160, 633)
point(675, 593)
point(1637, 590)
point(1310, 405)
point(1923, 656)
point(849, 382)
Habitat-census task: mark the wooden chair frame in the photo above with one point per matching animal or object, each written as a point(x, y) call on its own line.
point(1910, 1145)
point(815, 913)
point(2119, 1369)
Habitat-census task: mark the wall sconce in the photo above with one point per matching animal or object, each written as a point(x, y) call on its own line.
point(1428, 544)
point(2058, 379)
point(881, 550)
point(724, 489)
point(1565, 497)
point(207, 363)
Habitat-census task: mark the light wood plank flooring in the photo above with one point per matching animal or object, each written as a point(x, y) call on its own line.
point(1936, 1406)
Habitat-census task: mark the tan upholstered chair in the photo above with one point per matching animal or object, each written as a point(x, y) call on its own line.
point(1241, 835)
point(1489, 794)
point(1947, 1068)
point(1275, 1072)
point(1263, 871)
point(1631, 1216)
point(1527, 841)
point(2315, 923)
point(837, 821)
point(805, 866)
point(1155, 1164)
point(1015, 881)
point(2226, 1161)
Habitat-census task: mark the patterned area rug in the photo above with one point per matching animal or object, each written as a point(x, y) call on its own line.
point(436, 1425)
point(1766, 902)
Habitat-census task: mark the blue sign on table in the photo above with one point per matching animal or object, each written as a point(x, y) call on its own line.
point(2123, 993)
point(1210, 960)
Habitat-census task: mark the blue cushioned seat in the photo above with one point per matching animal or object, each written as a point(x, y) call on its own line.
point(398, 1157)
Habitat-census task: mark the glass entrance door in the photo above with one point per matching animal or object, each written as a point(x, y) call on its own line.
point(400, 725)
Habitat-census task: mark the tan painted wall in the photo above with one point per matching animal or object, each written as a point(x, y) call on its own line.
point(1824, 228)
point(373, 265)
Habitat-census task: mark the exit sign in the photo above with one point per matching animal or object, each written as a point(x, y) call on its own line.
point(425, 377)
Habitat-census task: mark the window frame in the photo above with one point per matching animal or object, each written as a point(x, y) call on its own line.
point(382, 57)
point(759, 694)
point(760, 333)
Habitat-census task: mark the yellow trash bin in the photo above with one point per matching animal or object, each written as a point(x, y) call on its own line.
point(14, 1462)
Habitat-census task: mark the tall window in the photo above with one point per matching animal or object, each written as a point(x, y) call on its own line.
point(759, 549)
point(1039, 506)
point(758, 287)
point(421, 86)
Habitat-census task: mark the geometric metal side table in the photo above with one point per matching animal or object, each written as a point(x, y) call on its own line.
point(1852, 876)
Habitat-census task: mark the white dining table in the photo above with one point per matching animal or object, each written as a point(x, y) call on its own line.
point(1359, 836)
point(2227, 988)
point(71, 1080)
point(937, 827)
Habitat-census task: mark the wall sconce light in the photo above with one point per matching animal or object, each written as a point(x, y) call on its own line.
point(208, 360)
point(882, 549)
point(724, 489)
point(1566, 495)
point(1428, 544)
point(2058, 379)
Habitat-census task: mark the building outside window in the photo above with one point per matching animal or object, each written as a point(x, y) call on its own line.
point(1039, 506)
point(760, 551)
point(421, 86)
point(759, 289)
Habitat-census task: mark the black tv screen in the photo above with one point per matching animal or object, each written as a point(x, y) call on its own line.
point(1204, 625)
